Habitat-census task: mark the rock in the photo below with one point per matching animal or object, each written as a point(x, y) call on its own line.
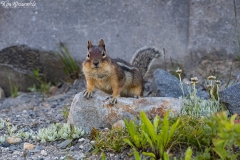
point(43, 152)
point(231, 98)
point(64, 144)
point(2, 94)
point(119, 124)
point(53, 90)
point(13, 140)
point(98, 113)
point(17, 63)
point(28, 146)
point(5, 144)
point(81, 140)
point(16, 153)
point(14, 102)
point(166, 85)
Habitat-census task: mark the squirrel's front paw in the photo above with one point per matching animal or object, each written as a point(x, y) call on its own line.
point(87, 94)
point(112, 100)
point(137, 96)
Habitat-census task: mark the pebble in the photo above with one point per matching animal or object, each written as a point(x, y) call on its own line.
point(32, 111)
point(17, 152)
point(44, 153)
point(81, 140)
point(119, 124)
point(28, 146)
point(13, 140)
point(5, 144)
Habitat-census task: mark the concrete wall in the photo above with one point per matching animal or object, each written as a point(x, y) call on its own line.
point(189, 30)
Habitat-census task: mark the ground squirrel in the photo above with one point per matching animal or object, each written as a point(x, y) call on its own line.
point(116, 76)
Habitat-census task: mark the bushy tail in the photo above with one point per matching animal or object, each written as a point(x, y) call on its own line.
point(143, 58)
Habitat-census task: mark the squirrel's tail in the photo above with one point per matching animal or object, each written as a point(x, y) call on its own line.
point(143, 58)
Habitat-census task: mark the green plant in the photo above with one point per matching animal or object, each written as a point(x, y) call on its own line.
point(111, 140)
point(179, 71)
point(65, 112)
point(137, 138)
point(44, 86)
point(195, 106)
point(70, 65)
point(2, 139)
point(188, 154)
point(58, 131)
point(156, 135)
point(203, 155)
point(194, 132)
point(103, 156)
point(227, 140)
point(13, 89)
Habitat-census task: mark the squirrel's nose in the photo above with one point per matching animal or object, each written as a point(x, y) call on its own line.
point(95, 62)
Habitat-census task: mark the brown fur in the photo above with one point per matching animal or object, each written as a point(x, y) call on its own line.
point(114, 77)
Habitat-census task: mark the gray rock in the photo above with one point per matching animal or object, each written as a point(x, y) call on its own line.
point(13, 102)
point(166, 85)
point(231, 98)
point(64, 144)
point(17, 63)
point(97, 112)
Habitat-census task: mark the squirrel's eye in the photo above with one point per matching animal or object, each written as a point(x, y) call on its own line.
point(103, 53)
point(88, 55)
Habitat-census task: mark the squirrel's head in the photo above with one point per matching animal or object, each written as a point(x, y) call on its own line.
point(96, 55)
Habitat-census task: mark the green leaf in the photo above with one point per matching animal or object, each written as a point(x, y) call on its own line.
point(221, 153)
point(137, 141)
point(218, 143)
point(237, 128)
point(128, 142)
point(103, 156)
point(156, 123)
point(150, 154)
point(149, 126)
point(166, 156)
point(188, 154)
point(173, 128)
point(233, 117)
point(164, 132)
point(149, 140)
point(136, 155)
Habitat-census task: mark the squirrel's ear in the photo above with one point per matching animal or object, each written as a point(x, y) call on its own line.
point(89, 44)
point(102, 44)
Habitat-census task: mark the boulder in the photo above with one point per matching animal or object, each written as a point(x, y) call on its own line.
point(18, 62)
point(231, 98)
point(165, 84)
point(97, 112)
